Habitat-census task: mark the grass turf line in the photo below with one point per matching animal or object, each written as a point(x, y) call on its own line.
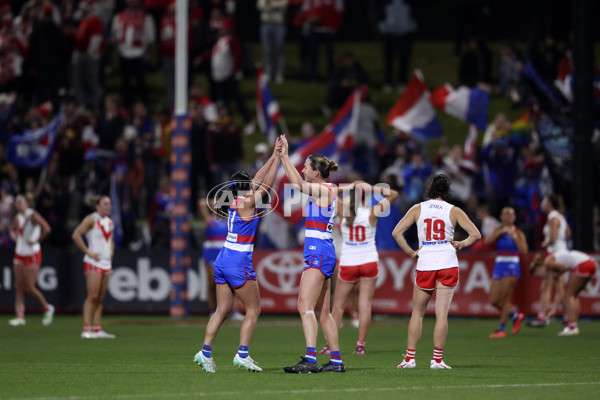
point(152, 358)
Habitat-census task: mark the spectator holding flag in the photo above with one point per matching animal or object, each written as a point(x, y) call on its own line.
point(98, 229)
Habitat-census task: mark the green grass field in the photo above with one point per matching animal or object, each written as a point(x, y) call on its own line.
point(152, 358)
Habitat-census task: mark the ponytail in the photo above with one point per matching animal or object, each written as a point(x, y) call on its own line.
point(323, 164)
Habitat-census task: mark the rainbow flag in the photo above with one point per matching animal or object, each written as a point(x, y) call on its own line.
point(520, 130)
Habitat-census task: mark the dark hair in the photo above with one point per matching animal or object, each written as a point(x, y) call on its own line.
point(353, 206)
point(239, 182)
point(556, 201)
point(438, 186)
point(323, 164)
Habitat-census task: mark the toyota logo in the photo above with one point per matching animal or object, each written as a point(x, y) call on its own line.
point(280, 272)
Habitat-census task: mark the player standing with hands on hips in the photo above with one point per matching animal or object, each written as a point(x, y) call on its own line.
point(98, 229)
point(437, 264)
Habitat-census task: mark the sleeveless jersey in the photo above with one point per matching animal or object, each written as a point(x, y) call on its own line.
point(572, 258)
point(239, 244)
point(560, 244)
point(507, 249)
point(214, 238)
point(99, 241)
point(319, 225)
point(358, 240)
point(27, 232)
point(435, 234)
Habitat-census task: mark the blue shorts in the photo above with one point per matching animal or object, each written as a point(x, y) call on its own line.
point(234, 276)
point(506, 269)
point(324, 264)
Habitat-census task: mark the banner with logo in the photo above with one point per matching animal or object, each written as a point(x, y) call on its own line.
point(279, 279)
point(141, 283)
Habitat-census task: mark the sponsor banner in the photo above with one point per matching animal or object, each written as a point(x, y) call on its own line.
point(279, 275)
point(142, 282)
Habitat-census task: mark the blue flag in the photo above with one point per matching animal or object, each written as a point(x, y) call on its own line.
point(34, 147)
point(115, 210)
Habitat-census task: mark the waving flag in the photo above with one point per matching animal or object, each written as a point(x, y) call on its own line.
point(413, 113)
point(335, 142)
point(267, 108)
point(470, 145)
point(544, 91)
point(34, 147)
point(115, 211)
point(467, 104)
point(564, 81)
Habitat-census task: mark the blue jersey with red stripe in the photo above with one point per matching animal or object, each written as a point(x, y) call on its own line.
point(319, 224)
point(239, 243)
point(507, 259)
point(214, 238)
point(506, 245)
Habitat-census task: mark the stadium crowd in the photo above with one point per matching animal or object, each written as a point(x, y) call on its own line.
point(57, 55)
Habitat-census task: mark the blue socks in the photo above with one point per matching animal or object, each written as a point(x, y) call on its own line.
point(243, 351)
point(311, 355)
point(336, 358)
point(207, 351)
point(502, 326)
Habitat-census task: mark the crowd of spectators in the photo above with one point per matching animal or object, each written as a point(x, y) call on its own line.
point(57, 56)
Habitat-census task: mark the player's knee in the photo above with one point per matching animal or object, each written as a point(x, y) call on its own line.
point(253, 311)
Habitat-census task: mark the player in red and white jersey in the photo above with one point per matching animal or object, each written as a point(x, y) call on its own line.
point(98, 229)
point(556, 232)
point(359, 260)
point(437, 264)
point(29, 228)
point(581, 268)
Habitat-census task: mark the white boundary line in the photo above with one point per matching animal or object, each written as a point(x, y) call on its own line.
point(310, 391)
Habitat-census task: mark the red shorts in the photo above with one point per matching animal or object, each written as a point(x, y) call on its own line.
point(426, 279)
point(92, 268)
point(352, 273)
point(34, 260)
point(587, 268)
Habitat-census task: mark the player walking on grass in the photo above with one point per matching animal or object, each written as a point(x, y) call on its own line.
point(510, 244)
point(98, 229)
point(437, 264)
point(233, 269)
point(359, 261)
point(319, 260)
point(581, 269)
point(29, 228)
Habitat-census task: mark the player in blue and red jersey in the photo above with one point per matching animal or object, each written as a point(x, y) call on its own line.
point(215, 235)
point(510, 244)
point(319, 260)
point(233, 269)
